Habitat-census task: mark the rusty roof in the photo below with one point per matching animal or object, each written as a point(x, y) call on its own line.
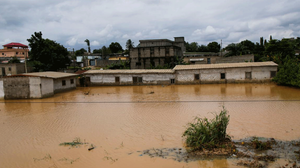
point(224, 65)
point(131, 71)
point(49, 74)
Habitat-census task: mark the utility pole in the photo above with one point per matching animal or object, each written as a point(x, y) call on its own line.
point(221, 49)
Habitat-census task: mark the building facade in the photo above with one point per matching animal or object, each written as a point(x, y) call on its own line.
point(37, 85)
point(247, 72)
point(156, 52)
point(12, 69)
point(14, 50)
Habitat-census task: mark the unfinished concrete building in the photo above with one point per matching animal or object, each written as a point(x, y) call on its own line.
point(156, 53)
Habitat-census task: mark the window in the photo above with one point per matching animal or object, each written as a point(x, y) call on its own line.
point(273, 74)
point(9, 68)
point(117, 79)
point(172, 81)
point(248, 75)
point(208, 60)
point(63, 82)
point(196, 77)
point(223, 76)
point(2, 53)
point(137, 80)
point(138, 64)
point(72, 81)
point(17, 53)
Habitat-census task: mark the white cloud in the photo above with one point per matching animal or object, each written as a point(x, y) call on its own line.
point(70, 22)
point(72, 41)
point(95, 43)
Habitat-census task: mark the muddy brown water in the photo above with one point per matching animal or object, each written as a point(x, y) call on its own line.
point(120, 121)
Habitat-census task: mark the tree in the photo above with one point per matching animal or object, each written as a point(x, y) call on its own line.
point(88, 44)
point(80, 52)
point(129, 44)
point(115, 47)
point(46, 54)
point(213, 47)
point(14, 60)
point(97, 51)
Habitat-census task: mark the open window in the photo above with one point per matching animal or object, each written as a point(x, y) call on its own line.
point(223, 76)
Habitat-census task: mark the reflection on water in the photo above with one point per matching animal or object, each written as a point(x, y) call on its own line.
point(120, 121)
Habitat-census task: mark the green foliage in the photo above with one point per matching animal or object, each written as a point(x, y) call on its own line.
point(80, 52)
point(88, 44)
point(46, 54)
point(119, 65)
point(289, 73)
point(14, 60)
point(204, 133)
point(115, 47)
point(213, 47)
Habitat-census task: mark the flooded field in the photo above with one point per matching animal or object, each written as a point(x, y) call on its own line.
point(121, 122)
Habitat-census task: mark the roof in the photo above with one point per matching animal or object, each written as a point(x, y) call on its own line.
point(15, 45)
point(224, 65)
point(49, 74)
point(131, 71)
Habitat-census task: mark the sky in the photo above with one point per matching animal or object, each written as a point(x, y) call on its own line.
point(70, 22)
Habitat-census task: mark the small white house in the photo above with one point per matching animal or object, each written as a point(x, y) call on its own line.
point(37, 85)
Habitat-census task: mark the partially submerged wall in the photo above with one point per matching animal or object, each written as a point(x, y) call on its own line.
point(130, 79)
point(16, 88)
point(226, 75)
point(64, 84)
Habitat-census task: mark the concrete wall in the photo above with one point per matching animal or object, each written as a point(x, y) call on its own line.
point(127, 79)
point(12, 69)
point(232, 75)
point(35, 87)
point(218, 59)
point(16, 88)
point(59, 87)
point(47, 87)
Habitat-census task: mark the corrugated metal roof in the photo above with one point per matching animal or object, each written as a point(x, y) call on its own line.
point(49, 74)
point(224, 65)
point(130, 71)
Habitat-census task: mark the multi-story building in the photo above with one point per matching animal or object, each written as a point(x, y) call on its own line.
point(156, 52)
point(14, 50)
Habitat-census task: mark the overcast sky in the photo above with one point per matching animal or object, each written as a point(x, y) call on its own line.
point(70, 22)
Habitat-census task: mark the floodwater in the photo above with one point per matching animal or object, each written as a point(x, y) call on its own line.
point(120, 121)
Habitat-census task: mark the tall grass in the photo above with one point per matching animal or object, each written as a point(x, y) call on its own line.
point(208, 134)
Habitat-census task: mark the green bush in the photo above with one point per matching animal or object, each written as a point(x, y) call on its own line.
point(208, 134)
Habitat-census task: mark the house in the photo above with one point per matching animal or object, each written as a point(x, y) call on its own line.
point(246, 72)
point(129, 77)
point(37, 85)
point(12, 69)
point(156, 52)
point(14, 50)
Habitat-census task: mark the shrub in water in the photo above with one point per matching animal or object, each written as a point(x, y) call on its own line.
point(204, 133)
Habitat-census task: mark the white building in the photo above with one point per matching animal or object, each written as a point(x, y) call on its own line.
point(37, 85)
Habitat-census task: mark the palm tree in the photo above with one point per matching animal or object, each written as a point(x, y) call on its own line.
point(88, 44)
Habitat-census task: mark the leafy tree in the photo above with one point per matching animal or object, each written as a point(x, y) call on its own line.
point(97, 51)
point(88, 44)
point(46, 54)
point(129, 44)
point(80, 52)
point(115, 47)
point(203, 48)
point(213, 47)
point(289, 73)
point(105, 51)
point(14, 60)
